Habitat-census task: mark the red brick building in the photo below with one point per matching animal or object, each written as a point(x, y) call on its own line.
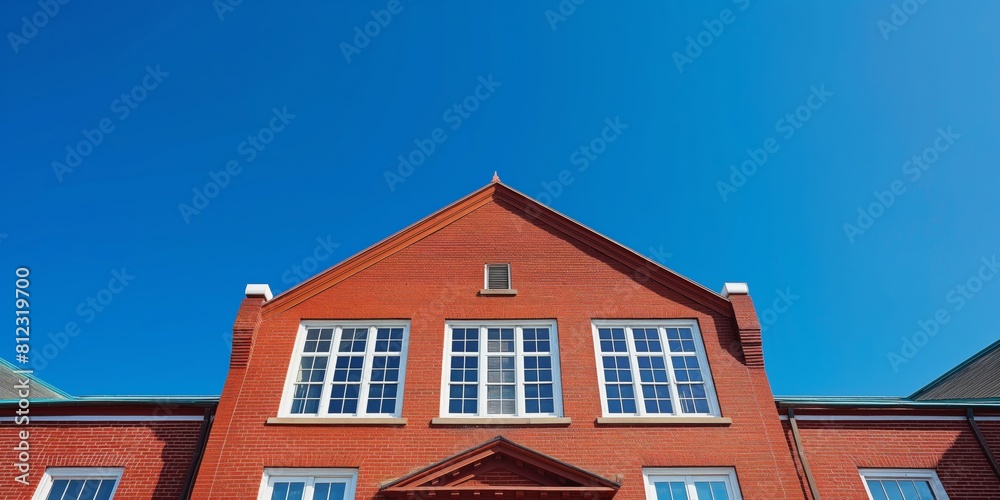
point(499, 350)
point(946, 435)
point(96, 448)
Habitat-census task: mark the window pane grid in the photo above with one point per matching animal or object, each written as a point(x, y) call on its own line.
point(463, 389)
point(690, 388)
point(618, 382)
point(707, 486)
point(308, 488)
point(538, 391)
point(655, 384)
point(518, 371)
point(288, 490)
point(365, 377)
point(309, 384)
point(384, 384)
point(329, 491)
point(81, 489)
point(652, 371)
point(500, 376)
point(903, 489)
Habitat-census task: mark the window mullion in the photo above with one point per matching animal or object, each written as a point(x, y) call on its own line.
point(446, 371)
point(675, 398)
point(308, 491)
point(366, 372)
point(404, 350)
point(519, 372)
point(706, 377)
point(481, 371)
point(324, 397)
point(640, 403)
point(689, 484)
point(557, 372)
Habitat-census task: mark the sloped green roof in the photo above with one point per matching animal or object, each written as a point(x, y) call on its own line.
point(39, 389)
point(978, 377)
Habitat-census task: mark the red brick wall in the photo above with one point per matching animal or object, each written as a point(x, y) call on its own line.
point(437, 279)
point(156, 456)
point(836, 450)
point(991, 431)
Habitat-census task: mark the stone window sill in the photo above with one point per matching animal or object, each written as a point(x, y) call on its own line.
point(486, 292)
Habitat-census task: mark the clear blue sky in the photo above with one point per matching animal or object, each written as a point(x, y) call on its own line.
point(879, 87)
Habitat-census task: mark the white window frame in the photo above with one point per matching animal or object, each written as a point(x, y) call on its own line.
point(53, 474)
point(285, 409)
point(519, 354)
point(689, 475)
point(928, 475)
point(713, 400)
point(309, 476)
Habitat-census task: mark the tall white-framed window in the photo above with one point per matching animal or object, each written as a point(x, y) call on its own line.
point(79, 483)
point(653, 368)
point(501, 369)
point(907, 484)
point(347, 368)
point(670, 483)
point(308, 484)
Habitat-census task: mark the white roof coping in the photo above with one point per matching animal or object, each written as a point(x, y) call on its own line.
point(735, 289)
point(259, 290)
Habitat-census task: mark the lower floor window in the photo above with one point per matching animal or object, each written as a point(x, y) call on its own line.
point(903, 484)
point(78, 483)
point(691, 484)
point(308, 484)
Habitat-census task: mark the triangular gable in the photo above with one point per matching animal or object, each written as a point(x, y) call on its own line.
point(497, 468)
point(496, 191)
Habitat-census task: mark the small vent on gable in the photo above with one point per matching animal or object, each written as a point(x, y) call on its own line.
point(498, 276)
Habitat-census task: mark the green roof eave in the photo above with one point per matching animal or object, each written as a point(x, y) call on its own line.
point(881, 402)
point(206, 401)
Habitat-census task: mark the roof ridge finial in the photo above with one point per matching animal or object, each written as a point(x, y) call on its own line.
point(496, 178)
